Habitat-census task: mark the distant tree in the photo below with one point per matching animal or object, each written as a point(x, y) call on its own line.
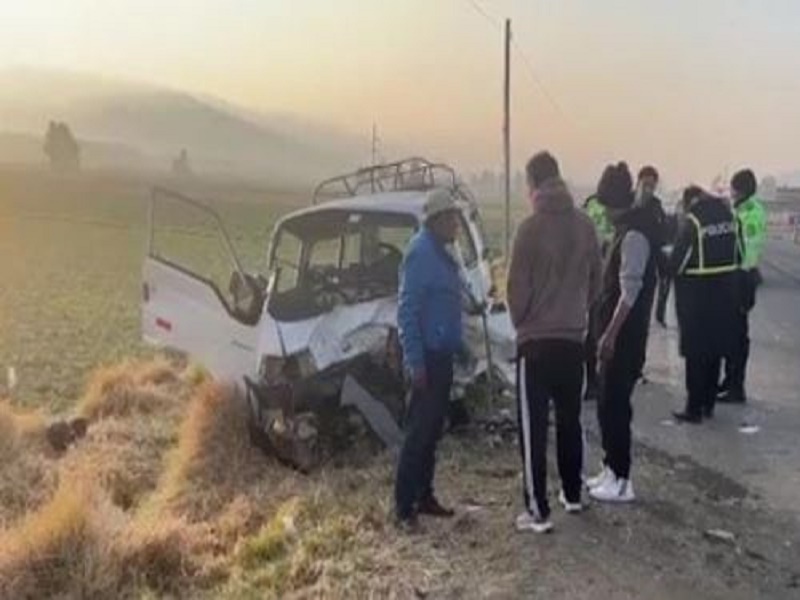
point(61, 148)
point(181, 166)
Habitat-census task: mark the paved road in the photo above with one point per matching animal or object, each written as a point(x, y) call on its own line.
point(767, 461)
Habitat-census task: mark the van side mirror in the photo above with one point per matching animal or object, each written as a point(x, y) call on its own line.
point(237, 286)
point(248, 294)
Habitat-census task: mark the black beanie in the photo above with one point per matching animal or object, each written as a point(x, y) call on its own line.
point(744, 182)
point(615, 189)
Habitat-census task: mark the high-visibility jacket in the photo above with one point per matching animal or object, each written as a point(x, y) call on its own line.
point(752, 217)
point(713, 247)
point(706, 261)
point(599, 216)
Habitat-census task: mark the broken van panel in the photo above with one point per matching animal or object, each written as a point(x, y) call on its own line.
point(324, 312)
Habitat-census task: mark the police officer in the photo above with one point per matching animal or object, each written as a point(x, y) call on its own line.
point(705, 262)
point(752, 222)
point(598, 213)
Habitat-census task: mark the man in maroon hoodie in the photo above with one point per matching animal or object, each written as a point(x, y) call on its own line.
point(553, 278)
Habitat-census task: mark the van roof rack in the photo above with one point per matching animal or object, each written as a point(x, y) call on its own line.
point(413, 173)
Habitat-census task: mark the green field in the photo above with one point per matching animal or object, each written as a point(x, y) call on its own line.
point(71, 252)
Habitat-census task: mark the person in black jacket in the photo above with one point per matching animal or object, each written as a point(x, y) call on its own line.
point(665, 279)
point(605, 233)
point(705, 262)
point(646, 199)
point(623, 317)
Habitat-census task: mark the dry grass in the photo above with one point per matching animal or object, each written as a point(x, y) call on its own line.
point(86, 540)
point(26, 476)
point(310, 544)
point(130, 388)
point(214, 463)
point(18, 428)
point(136, 408)
point(65, 548)
point(166, 496)
point(125, 457)
point(80, 546)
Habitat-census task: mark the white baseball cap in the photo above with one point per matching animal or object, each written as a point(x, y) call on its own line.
point(439, 201)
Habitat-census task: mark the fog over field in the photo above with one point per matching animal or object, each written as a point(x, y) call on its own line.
point(140, 126)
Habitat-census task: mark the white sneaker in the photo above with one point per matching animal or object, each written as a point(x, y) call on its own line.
point(614, 489)
point(600, 478)
point(528, 522)
point(570, 507)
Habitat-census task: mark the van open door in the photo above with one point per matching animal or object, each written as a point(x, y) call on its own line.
point(186, 305)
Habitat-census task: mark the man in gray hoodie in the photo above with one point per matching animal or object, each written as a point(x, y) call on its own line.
point(554, 276)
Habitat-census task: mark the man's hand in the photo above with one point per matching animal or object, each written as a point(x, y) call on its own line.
point(420, 379)
point(606, 347)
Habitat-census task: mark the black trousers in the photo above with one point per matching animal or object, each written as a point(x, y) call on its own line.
point(664, 284)
point(614, 409)
point(424, 425)
point(550, 370)
point(736, 360)
point(642, 357)
point(590, 349)
point(701, 383)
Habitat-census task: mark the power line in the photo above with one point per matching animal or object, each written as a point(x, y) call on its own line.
point(537, 80)
point(493, 20)
point(531, 70)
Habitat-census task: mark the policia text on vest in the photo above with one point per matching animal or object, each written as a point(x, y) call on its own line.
point(705, 262)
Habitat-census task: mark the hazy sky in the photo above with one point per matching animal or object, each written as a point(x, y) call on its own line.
point(693, 86)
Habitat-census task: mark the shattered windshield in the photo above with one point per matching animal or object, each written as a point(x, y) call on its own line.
point(332, 257)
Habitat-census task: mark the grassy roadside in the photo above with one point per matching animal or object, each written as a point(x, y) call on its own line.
point(166, 498)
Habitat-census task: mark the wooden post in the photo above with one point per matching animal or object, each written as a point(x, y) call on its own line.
point(374, 160)
point(507, 138)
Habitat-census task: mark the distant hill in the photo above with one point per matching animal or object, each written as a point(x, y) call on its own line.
point(154, 124)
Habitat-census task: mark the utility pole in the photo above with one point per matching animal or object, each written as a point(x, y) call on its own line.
point(374, 160)
point(374, 144)
point(507, 137)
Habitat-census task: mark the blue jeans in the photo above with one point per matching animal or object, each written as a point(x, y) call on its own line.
point(424, 425)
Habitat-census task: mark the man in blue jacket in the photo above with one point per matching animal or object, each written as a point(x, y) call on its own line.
point(429, 319)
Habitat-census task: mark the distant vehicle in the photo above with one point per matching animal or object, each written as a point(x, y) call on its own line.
point(319, 329)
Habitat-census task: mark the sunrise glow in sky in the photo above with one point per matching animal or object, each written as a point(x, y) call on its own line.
point(693, 86)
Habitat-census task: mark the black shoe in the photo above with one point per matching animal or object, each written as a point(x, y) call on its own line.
point(430, 506)
point(708, 412)
point(687, 417)
point(731, 397)
point(408, 525)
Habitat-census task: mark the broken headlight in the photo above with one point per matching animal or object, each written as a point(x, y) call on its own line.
point(285, 369)
point(271, 369)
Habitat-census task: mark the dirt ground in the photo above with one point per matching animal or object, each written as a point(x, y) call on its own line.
point(658, 547)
